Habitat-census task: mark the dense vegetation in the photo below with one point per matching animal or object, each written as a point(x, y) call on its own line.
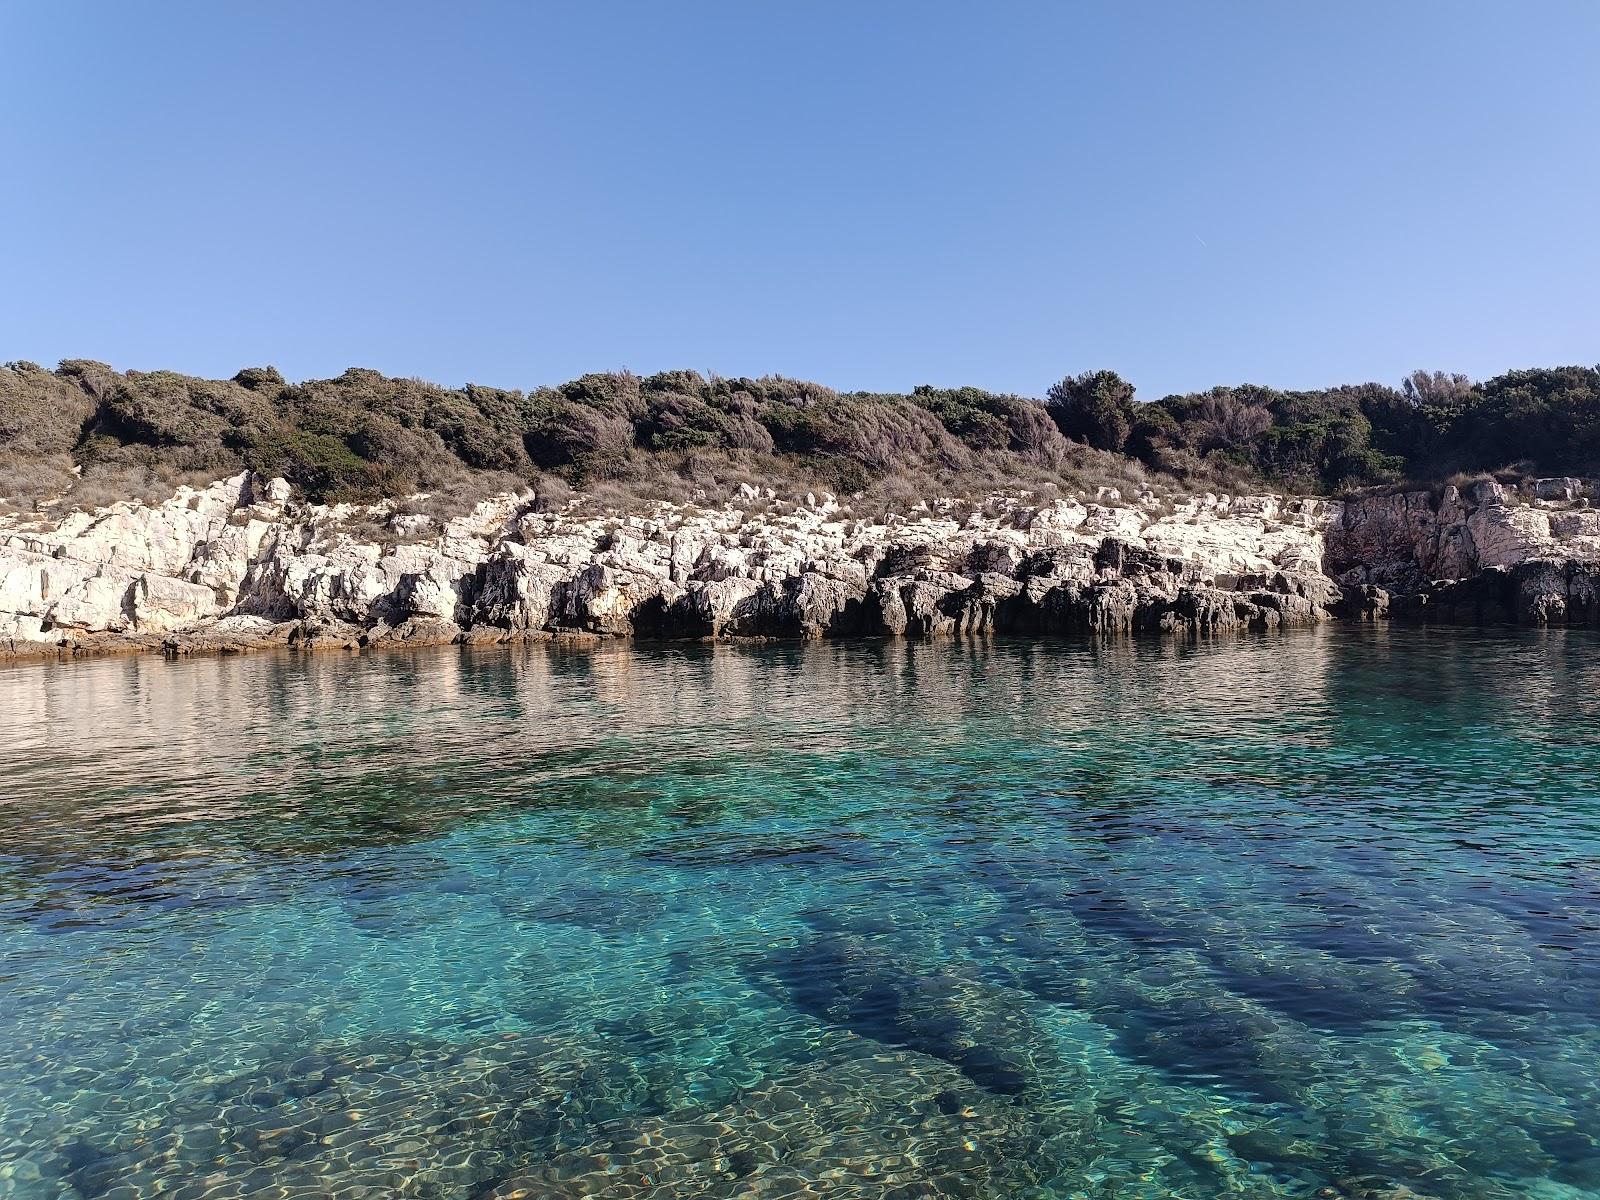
point(97, 434)
point(1435, 425)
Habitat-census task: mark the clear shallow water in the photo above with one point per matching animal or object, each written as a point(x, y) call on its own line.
point(1253, 918)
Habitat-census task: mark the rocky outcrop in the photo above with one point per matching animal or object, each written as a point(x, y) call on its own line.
point(1530, 556)
point(240, 564)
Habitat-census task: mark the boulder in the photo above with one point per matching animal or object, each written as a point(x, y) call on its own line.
point(1504, 536)
point(101, 603)
point(514, 589)
point(1561, 488)
point(159, 604)
point(1549, 592)
point(604, 598)
point(817, 605)
point(1363, 602)
point(31, 583)
point(725, 607)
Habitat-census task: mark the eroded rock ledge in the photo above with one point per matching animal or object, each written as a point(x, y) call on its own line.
point(240, 565)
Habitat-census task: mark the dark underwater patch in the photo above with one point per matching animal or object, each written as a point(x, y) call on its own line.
point(847, 982)
point(603, 910)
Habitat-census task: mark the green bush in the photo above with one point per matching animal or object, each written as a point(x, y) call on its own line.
point(1338, 438)
point(1095, 407)
point(364, 434)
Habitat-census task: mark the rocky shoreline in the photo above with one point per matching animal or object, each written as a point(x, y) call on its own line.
point(241, 565)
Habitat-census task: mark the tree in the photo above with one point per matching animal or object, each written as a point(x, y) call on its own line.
point(1229, 422)
point(1094, 407)
point(1435, 389)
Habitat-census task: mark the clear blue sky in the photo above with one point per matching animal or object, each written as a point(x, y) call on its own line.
point(872, 195)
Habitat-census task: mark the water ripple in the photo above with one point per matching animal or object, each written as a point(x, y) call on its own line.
point(1311, 915)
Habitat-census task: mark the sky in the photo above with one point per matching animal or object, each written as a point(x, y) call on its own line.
point(870, 195)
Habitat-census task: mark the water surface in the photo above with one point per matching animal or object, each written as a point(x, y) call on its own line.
point(1306, 915)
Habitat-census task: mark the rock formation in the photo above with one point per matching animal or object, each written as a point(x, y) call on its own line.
point(1488, 556)
point(241, 564)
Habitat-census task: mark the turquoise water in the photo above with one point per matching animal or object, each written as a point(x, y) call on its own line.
point(1313, 915)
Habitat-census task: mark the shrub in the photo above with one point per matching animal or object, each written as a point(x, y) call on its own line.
point(1227, 421)
point(679, 433)
point(1095, 407)
point(42, 416)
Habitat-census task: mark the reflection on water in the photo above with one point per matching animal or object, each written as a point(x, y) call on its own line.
point(1311, 915)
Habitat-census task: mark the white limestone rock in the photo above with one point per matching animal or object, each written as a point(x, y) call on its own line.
point(1124, 524)
point(31, 582)
point(160, 604)
point(100, 603)
point(243, 551)
point(1505, 536)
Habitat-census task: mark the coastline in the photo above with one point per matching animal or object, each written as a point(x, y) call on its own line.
point(240, 566)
